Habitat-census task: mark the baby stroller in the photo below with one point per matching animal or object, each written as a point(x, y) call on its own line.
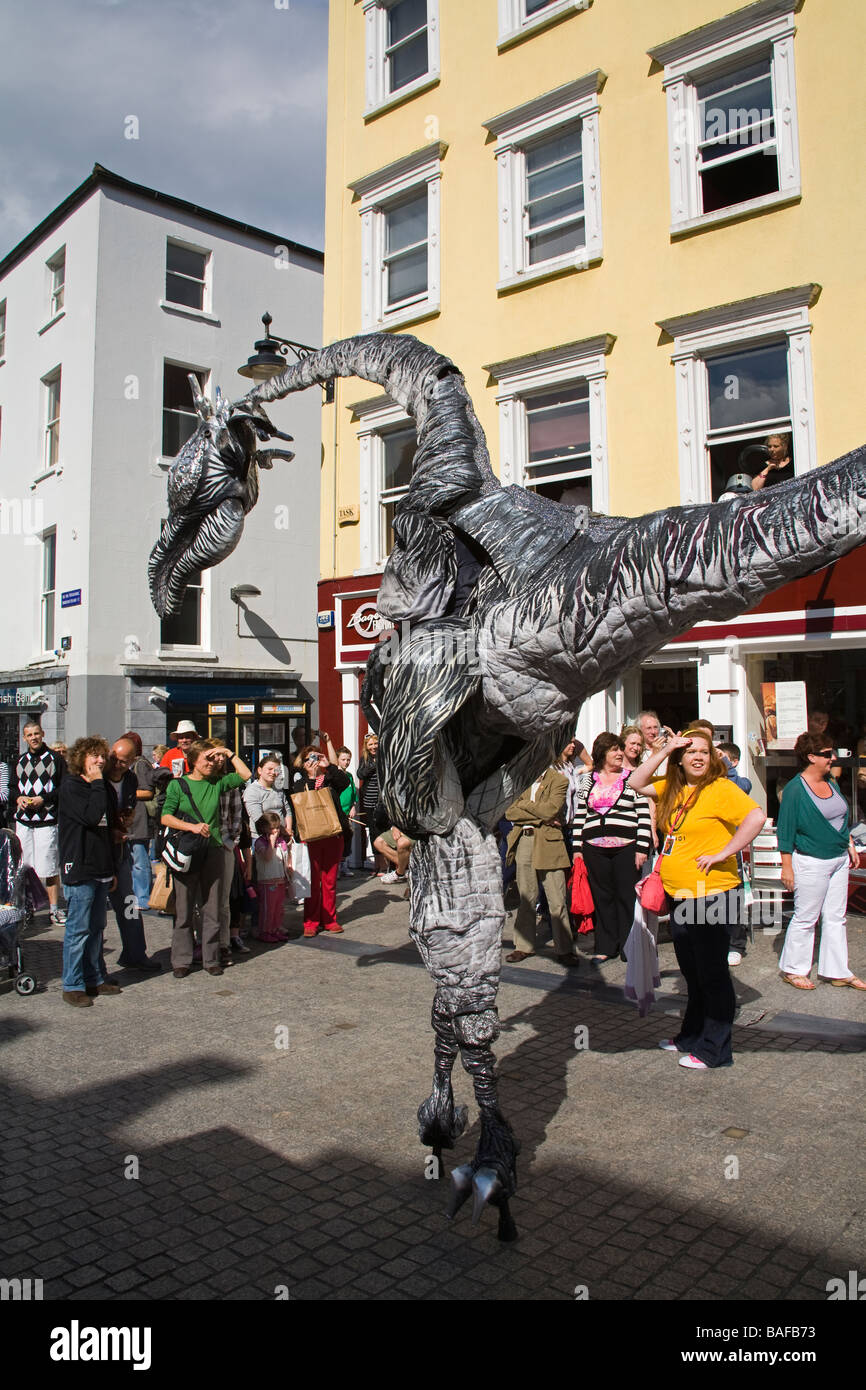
point(13, 911)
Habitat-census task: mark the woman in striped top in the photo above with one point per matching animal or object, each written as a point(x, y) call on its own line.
point(613, 836)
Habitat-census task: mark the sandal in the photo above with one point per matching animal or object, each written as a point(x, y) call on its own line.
point(851, 981)
point(517, 956)
point(798, 981)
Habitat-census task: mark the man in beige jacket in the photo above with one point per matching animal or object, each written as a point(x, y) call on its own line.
point(538, 849)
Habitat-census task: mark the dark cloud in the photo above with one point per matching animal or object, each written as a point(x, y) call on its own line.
point(229, 96)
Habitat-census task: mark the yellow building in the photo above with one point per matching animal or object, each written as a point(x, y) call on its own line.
point(635, 227)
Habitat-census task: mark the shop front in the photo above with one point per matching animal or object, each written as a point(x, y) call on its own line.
point(349, 628)
point(29, 695)
point(252, 716)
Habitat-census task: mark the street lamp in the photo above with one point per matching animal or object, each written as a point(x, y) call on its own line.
point(271, 353)
point(269, 358)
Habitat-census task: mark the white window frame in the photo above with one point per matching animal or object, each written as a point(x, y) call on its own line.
point(520, 378)
point(377, 96)
point(765, 29)
point(749, 323)
point(378, 417)
point(164, 460)
point(207, 292)
point(55, 265)
point(51, 428)
point(515, 24)
point(202, 648)
point(575, 104)
point(45, 593)
point(377, 193)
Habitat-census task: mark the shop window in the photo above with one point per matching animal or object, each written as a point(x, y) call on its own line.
point(402, 42)
point(732, 115)
point(549, 183)
point(520, 18)
point(400, 223)
point(49, 588)
point(553, 433)
point(743, 374)
point(184, 629)
point(179, 418)
point(186, 275)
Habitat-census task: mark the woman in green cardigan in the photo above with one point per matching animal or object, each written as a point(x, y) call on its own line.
point(816, 851)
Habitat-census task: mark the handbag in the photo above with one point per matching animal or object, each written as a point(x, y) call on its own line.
point(651, 892)
point(181, 850)
point(300, 884)
point(162, 893)
point(316, 814)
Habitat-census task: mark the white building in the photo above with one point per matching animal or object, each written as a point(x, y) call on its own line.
point(104, 309)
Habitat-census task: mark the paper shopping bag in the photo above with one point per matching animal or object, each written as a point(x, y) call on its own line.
point(316, 814)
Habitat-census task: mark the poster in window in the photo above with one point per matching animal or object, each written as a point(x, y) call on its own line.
point(785, 712)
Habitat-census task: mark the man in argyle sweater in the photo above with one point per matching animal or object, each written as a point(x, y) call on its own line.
point(34, 796)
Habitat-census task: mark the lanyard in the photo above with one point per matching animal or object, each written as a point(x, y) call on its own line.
point(681, 813)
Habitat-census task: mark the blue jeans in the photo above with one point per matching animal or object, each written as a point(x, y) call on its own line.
point(82, 939)
point(141, 872)
point(127, 914)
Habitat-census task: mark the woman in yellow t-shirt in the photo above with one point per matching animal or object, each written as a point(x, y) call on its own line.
point(704, 821)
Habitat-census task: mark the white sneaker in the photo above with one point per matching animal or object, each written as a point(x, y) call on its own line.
point(734, 958)
point(393, 877)
point(694, 1063)
point(668, 1045)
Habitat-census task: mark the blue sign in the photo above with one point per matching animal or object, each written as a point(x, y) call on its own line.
point(325, 618)
point(71, 599)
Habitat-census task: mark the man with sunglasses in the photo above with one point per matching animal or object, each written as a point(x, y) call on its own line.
point(817, 852)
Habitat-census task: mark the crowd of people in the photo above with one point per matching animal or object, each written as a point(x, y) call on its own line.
point(96, 820)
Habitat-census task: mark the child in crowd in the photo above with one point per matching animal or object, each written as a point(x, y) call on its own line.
point(349, 803)
point(273, 869)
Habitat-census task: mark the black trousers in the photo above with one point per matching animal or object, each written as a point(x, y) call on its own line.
point(700, 933)
point(612, 877)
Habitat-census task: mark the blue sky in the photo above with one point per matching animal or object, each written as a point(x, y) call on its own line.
point(229, 97)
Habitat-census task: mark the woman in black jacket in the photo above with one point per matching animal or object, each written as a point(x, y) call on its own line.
point(88, 866)
point(320, 908)
point(368, 788)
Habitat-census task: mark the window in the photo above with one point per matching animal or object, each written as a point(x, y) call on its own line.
point(549, 183)
point(552, 422)
point(51, 454)
point(49, 579)
point(387, 443)
point(186, 275)
point(179, 418)
point(2, 330)
point(732, 115)
point(520, 18)
point(56, 283)
point(743, 373)
point(402, 41)
point(184, 629)
point(400, 219)
point(748, 400)
point(396, 452)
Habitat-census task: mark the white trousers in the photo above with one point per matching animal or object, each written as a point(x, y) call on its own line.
point(820, 891)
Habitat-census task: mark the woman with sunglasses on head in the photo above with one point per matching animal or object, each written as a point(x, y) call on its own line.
point(816, 851)
point(320, 908)
point(704, 821)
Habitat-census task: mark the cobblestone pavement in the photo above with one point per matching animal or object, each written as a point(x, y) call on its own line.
point(262, 1167)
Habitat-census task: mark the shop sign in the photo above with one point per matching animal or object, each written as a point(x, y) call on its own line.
point(785, 712)
point(216, 709)
point(245, 709)
point(70, 599)
point(284, 709)
point(325, 619)
point(367, 622)
point(22, 696)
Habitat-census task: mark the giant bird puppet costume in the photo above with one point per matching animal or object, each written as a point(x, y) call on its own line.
point(512, 610)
